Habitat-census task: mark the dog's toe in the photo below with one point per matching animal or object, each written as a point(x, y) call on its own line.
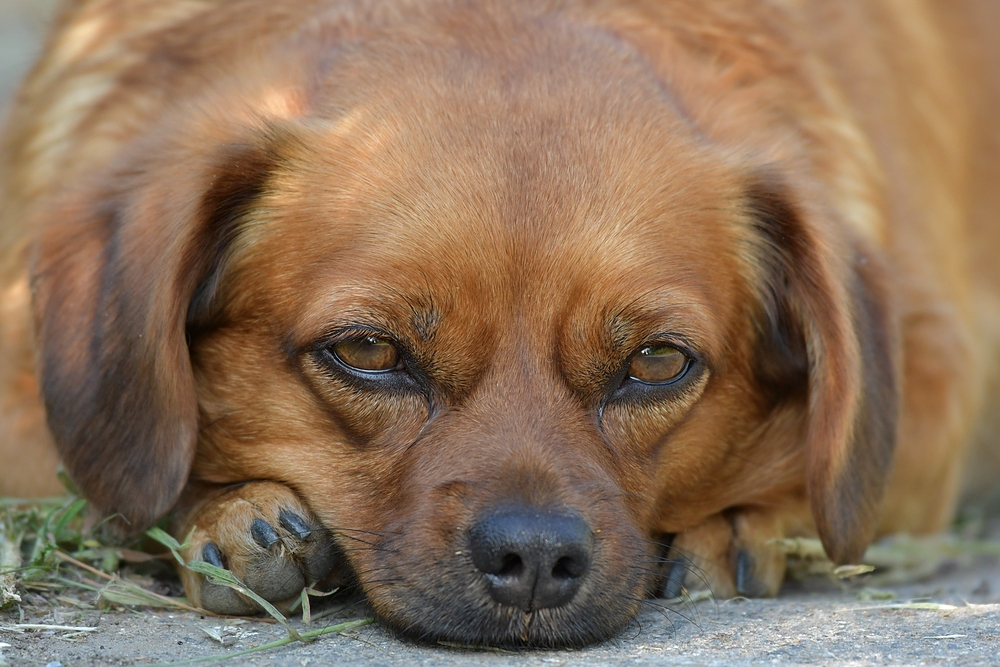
point(730, 554)
point(758, 565)
point(221, 599)
point(758, 576)
point(263, 534)
point(267, 538)
point(676, 574)
point(699, 559)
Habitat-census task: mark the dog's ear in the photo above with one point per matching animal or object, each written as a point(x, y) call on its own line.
point(117, 273)
point(828, 321)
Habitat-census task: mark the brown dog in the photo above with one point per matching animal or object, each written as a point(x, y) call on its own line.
point(487, 301)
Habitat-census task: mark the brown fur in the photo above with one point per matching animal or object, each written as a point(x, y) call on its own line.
point(521, 194)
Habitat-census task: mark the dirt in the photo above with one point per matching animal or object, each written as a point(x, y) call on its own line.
point(814, 624)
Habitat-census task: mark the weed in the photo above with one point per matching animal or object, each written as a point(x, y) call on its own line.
point(52, 548)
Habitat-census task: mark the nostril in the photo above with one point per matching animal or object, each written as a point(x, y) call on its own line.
point(512, 566)
point(567, 568)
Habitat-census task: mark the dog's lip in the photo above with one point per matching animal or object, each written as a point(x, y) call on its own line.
point(479, 623)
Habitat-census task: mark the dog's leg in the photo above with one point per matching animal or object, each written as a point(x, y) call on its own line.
point(266, 536)
point(731, 553)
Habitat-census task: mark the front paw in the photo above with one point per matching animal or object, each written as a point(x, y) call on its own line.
point(731, 554)
point(266, 537)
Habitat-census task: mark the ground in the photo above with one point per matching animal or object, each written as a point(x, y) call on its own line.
point(800, 627)
point(817, 622)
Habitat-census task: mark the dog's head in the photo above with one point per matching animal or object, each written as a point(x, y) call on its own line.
point(468, 292)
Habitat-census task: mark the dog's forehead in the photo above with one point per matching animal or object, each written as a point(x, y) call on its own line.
point(520, 184)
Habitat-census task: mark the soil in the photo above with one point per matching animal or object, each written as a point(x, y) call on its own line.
point(816, 623)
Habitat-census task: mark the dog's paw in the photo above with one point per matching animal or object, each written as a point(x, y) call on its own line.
point(730, 555)
point(267, 537)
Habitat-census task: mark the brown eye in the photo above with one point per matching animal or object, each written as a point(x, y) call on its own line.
point(367, 354)
point(658, 364)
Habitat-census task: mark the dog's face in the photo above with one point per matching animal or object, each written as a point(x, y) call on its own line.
point(476, 294)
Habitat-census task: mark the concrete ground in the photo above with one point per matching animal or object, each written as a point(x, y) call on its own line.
point(800, 627)
point(815, 625)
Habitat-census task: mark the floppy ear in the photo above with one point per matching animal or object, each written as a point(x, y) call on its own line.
point(826, 298)
point(114, 274)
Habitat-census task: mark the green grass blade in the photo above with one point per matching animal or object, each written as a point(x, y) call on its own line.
point(221, 577)
point(306, 608)
point(130, 598)
point(169, 541)
point(59, 530)
point(30, 502)
point(77, 584)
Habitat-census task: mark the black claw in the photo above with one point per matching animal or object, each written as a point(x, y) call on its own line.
point(746, 582)
point(744, 571)
point(674, 586)
point(210, 554)
point(262, 533)
point(294, 524)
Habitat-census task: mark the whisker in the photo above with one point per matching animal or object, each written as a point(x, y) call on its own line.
point(341, 529)
point(665, 609)
point(662, 612)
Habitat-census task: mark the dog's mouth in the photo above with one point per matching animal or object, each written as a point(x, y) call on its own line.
point(540, 579)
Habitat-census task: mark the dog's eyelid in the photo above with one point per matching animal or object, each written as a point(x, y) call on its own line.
point(340, 334)
point(398, 379)
point(680, 342)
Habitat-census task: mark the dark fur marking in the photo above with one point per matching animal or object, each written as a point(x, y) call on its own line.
point(425, 322)
point(224, 207)
point(782, 361)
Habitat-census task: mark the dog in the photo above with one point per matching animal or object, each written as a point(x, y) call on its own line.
point(513, 312)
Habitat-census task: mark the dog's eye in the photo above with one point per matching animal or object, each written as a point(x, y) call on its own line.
point(368, 354)
point(658, 364)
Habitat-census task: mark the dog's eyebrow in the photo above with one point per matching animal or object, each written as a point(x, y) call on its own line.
point(425, 321)
point(679, 316)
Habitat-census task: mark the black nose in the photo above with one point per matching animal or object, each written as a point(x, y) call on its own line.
point(532, 559)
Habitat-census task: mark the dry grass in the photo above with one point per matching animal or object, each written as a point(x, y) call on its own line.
point(52, 557)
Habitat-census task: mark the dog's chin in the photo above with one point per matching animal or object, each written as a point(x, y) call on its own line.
point(507, 627)
point(446, 600)
point(461, 615)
